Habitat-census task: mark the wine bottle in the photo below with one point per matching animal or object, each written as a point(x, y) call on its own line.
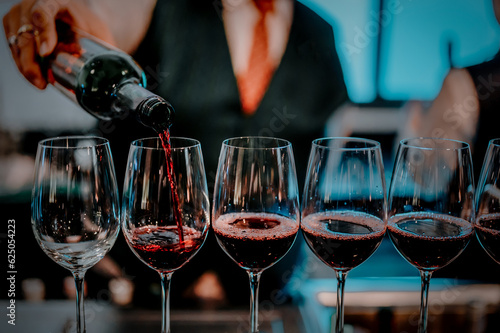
point(103, 80)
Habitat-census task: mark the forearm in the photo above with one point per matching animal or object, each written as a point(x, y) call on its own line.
point(454, 113)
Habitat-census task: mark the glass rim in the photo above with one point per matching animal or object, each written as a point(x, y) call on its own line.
point(495, 142)
point(459, 145)
point(100, 141)
point(375, 144)
point(193, 143)
point(281, 143)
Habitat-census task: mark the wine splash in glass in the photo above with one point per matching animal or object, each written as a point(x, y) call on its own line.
point(165, 207)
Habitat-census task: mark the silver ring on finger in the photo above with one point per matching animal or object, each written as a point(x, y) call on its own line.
point(12, 40)
point(27, 28)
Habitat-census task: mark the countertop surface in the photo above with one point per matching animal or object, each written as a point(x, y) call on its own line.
point(58, 316)
point(371, 305)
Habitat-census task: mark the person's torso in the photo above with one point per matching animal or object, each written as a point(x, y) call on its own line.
point(192, 69)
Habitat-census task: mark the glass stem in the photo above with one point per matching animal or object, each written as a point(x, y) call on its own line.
point(80, 293)
point(339, 322)
point(426, 278)
point(165, 301)
point(254, 300)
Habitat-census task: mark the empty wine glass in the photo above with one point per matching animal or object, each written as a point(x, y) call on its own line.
point(165, 210)
point(431, 200)
point(256, 209)
point(344, 206)
point(487, 224)
point(75, 206)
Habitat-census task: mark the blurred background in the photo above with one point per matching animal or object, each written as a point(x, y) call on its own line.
point(393, 54)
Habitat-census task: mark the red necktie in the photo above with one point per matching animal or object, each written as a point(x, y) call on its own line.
point(253, 83)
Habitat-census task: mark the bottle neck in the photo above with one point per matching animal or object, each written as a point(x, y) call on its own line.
point(128, 96)
point(149, 109)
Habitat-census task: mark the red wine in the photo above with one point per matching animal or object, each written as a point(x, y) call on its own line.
point(429, 241)
point(255, 240)
point(165, 141)
point(488, 233)
point(103, 80)
point(160, 247)
point(343, 240)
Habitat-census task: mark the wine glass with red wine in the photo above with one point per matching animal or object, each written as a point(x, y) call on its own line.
point(256, 213)
point(75, 207)
point(431, 200)
point(487, 223)
point(344, 206)
point(165, 206)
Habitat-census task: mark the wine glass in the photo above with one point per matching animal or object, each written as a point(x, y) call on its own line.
point(431, 200)
point(165, 210)
point(256, 213)
point(344, 206)
point(487, 223)
point(75, 205)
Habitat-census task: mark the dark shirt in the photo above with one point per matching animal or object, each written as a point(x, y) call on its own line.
point(486, 77)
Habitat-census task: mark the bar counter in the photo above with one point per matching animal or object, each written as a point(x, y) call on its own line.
point(58, 316)
point(371, 304)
